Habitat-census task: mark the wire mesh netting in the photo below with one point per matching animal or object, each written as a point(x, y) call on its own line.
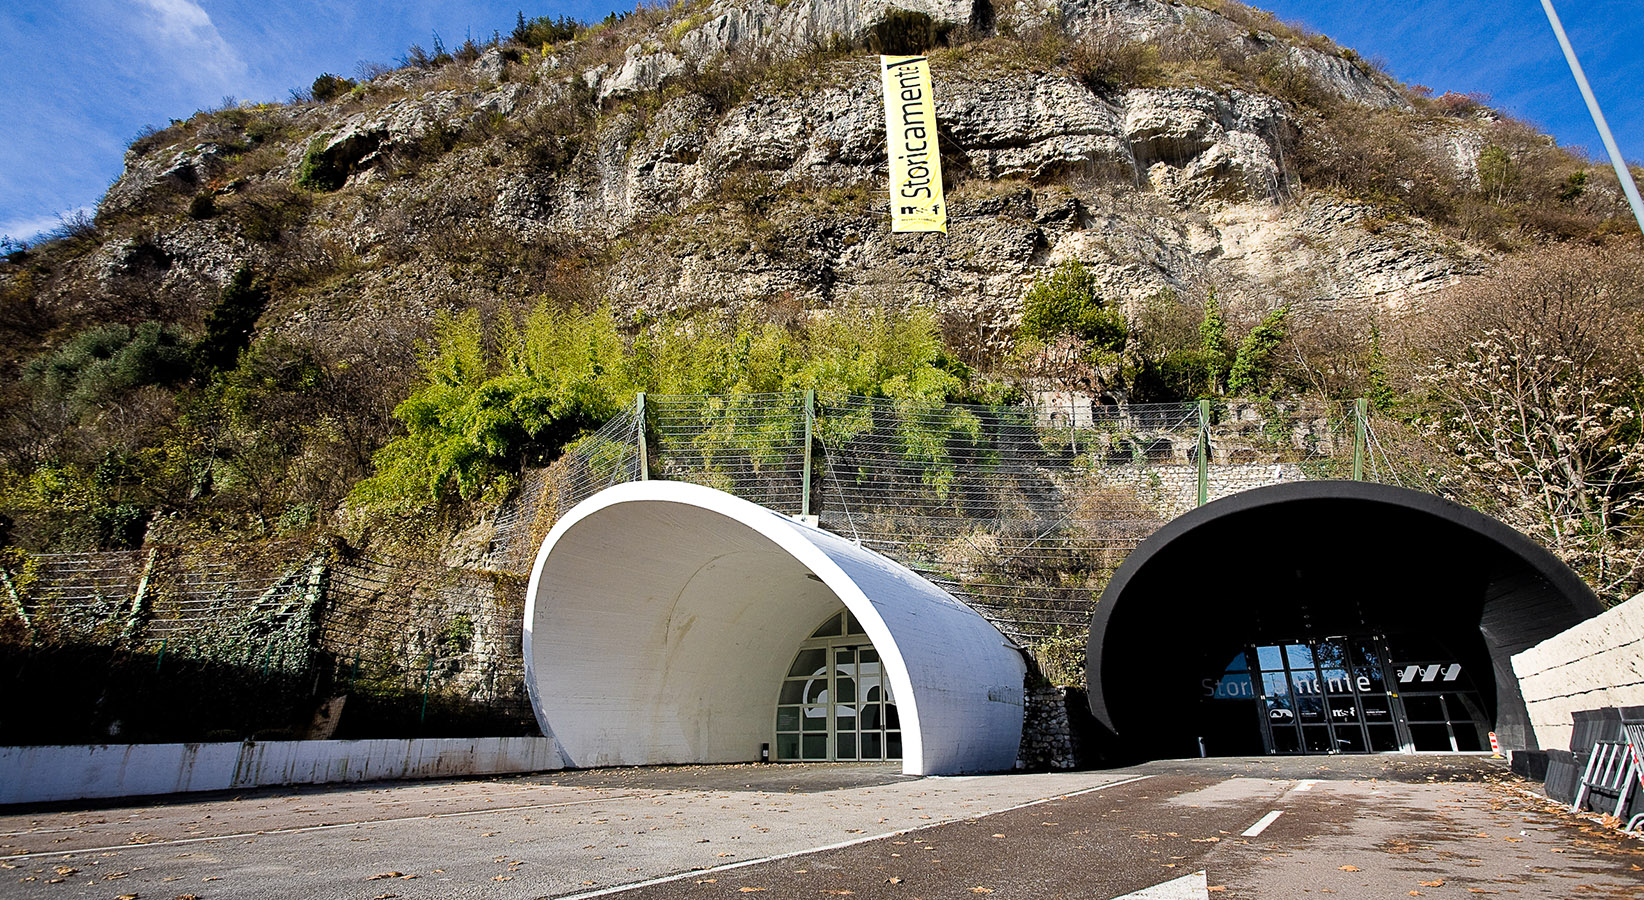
point(607, 457)
point(750, 445)
point(396, 629)
point(1024, 512)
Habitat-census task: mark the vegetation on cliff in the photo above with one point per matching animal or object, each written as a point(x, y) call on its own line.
point(402, 287)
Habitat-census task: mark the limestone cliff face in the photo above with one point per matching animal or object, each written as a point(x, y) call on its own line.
point(697, 199)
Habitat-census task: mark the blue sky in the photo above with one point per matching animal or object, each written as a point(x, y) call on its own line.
point(80, 78)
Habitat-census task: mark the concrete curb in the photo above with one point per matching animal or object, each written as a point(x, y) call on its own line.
point(79, 772)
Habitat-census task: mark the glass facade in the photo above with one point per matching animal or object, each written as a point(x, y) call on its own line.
point(1357, 694)
point(835, 703)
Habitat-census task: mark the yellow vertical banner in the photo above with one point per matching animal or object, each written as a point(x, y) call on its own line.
point(910, 139)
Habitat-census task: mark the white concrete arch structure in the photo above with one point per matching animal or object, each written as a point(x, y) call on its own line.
point(662, 616)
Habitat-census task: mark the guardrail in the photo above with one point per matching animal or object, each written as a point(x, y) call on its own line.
point(1615, 769)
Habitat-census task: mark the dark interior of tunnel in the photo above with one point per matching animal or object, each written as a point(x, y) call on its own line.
point(1306, 568)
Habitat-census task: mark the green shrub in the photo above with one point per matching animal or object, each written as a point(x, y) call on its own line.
point(228, 326)
point(543, 30)
point(1067, 302)
point(329, 87)
point(1253, 367)
point(318, 171)
point(479, 414)
point(106, 361)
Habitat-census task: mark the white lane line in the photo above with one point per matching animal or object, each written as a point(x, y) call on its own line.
point(1262, 823)
point(308, 828)
point(1306, 784)
point(632, 885)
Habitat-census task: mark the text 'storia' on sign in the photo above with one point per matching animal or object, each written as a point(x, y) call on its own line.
point(910, 138)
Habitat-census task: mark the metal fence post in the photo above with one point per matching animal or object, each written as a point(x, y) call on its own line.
point(427, 683)
point(139, 599)
point(810, 431)
point(1361, 411)
point(1204, 452)
point(644, 453)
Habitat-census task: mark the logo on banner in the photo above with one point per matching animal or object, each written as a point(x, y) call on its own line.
point(916, 197)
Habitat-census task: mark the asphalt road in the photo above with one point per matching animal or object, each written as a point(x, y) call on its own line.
point(1358, 827)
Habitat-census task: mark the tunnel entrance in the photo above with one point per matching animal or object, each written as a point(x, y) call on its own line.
point(1323, 617)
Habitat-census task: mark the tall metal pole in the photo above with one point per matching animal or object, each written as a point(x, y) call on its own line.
point(1628, 186)
point(1204, 452)
point(810, 430)
point(644, 452)
point(1361, 409)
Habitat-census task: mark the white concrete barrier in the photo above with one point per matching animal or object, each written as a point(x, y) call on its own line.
point(1597, 664)
point(41, 774)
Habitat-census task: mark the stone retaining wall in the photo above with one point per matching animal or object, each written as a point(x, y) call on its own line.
point(1598, 664)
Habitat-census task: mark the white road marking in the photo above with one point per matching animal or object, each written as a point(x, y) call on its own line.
point(1306, 784)
point(1262, 823)
point(697, 873)
point(1187, 887)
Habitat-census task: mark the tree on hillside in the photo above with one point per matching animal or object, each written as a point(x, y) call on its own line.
point(1533, 382)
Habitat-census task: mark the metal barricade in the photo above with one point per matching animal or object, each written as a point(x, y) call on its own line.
point(1615, 769)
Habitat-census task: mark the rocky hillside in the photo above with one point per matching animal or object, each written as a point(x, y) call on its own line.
point(712, 155)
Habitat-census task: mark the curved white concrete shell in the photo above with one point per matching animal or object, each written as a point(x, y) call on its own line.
point(662, 616)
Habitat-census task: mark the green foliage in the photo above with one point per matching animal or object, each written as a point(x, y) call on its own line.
point(329, 87)
point(1380, 393)
point(318, 171)
point(543, 30)
point(1496, 172)
point(1253, 367)
point(1067, 301)
point(228, 326)
point(106, 361)
point(481, 412)
point(1213, 344)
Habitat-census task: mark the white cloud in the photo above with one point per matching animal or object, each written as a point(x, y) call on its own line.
point(184, 25)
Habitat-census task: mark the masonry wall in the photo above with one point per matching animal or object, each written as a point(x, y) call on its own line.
point(1595, 665)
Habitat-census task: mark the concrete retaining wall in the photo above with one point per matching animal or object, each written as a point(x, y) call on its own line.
point(1597, 664)
point(41, 774)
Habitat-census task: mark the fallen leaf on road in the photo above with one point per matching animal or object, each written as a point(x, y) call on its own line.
point(1208, 840)
point(998, 835)
point(893, 880)
point(381, 875)
point(1350, 868)
point(839, 891)
point(981, 890)
point(1481, 891)
point(750, 890)
point(706, 880)
point(1216, 888)
point(511, 878)
point(1417, 894)
point(1437, 882)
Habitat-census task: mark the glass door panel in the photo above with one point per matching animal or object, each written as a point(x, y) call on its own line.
point(834, 702)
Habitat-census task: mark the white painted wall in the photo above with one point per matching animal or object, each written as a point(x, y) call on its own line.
point(1598, 663)
point(661, 617)
point(40, 774)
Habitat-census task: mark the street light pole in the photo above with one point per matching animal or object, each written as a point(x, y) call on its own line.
point(1628, 186)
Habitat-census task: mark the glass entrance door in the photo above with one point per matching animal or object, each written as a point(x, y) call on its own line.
point(1325, 696)
point(836, 703)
